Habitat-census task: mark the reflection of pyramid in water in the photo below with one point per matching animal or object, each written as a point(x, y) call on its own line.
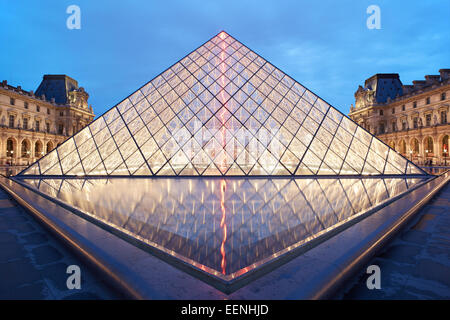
point(222, 110)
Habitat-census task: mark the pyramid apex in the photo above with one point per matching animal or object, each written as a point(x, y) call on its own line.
point(223, 34)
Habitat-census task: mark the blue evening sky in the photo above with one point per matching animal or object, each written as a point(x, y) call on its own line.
point(324, 45)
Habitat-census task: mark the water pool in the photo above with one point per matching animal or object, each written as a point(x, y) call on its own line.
point(223, 228)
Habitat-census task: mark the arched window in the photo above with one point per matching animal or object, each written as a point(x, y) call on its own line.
point(49, 147)
point(445, 146)
point(429, 145)
point(392, 144)
point(38, 149)
point(25, 149)
point(402, 147)
point(415, 146)
point(10, 147)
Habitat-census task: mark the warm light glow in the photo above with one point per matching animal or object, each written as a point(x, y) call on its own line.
point(223, 225)
point(205, 235)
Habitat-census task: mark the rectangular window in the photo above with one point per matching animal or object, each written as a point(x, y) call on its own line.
point(428, 100)
point(25, 123)
point(381, 128)
point(38, 108)
point(381, 112)
point(48, 127)
point(48, 110)
point(393, 110)
point(12, 101)
point(443, 117)
point(37, 125)
point(415, 122)
point(394, 127)
point(25, 105)
point(60, 129)
point(414, 104)
point(443, 96)
point(403, 125)
point(428, 120)
point(61, 113)
point(11, 121)
point(403, 107)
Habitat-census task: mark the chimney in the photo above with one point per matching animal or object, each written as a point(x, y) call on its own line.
point(445, 74)
point(418, 84)
point(430, 79)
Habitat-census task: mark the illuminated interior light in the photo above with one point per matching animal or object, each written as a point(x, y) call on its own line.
point(223, 110)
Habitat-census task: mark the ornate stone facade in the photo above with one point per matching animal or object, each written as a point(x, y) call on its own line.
point(32, 124)
point(412, 119)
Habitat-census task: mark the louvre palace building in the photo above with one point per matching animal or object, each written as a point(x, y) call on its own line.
point(34, 123)
point(412, 119)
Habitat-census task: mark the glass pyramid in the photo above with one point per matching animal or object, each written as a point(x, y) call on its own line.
point(222, 110)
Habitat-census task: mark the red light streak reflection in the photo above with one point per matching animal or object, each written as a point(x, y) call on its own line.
point(223, 184)
point(223, 225)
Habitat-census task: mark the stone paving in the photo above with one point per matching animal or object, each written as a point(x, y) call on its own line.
point(416, 264)
point(33, 262)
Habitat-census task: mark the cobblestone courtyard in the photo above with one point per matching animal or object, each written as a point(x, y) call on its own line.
point(33, 262)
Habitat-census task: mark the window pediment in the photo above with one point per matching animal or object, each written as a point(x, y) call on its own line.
point(12, 112)
point(444, 107)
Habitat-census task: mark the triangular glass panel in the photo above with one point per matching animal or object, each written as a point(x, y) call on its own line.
point(143, 171)
point(77, 170)
point(121, 170)
point(33, 170)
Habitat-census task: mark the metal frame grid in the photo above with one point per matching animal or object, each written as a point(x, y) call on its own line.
point(222, 110)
